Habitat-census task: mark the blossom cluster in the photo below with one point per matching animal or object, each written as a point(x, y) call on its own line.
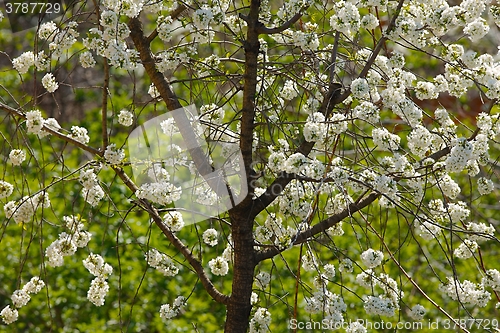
point(68, 242)
point(23, 210)
point(17, 156)
point(92, 192)
point(110, 41)
point(160, 190)
point(20, 298)
point(161, 262)
point(99, 286)
point(260, 321)
point(168, 311)
point(466, 292)
point(114, 155)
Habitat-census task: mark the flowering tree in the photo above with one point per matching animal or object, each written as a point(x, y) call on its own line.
point(362, 136)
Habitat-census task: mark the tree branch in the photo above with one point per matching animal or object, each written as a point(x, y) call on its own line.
point(172, 102)
point(320, 227)
point(54, 132)
point(261, 29)
point(179, 245)
point(174, 14)
point(199, 157)
point(381, 41)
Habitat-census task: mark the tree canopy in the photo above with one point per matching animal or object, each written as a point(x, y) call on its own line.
point(249, 166)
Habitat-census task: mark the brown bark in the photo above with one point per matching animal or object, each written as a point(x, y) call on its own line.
point(239, 307)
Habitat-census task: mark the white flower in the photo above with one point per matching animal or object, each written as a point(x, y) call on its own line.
point(466, 249)
point(48, 31)
point(162, 193)
point(153, 92)
point(449, 187)
point(492, 279)
point(360, 88)
point(417, 312)
point(295, 163)
point(34, 121)
point(481, 231)
point(210, 237)
point(426, 90)
point(459, 155)
point(385, 140)
point(260, 321)
point(20, 298)
point(49, 82)
point(161, 262)
point(87, 60)
point(34, 285)
point(355, 327)
point(262, 280)
point(52, 124)
point(372, 258)
point(289, 90)
point(98, 289)
point(88, 178)
point(174, 220)
point(93, 195)
point(96, 266)
point(113, 155)
point(17, 156)
point(369, 21)
point(125, 118)
point(379, 306)
point(168, 311)
point(467, 292)
point(485, 186)
point(80, 134)
point(477, 29)
point(218, 266)
point(346, 19)
point(24, 62)
point(315, 129)
point(6, 190)
point(346, 265)
point(367, 111)
point(9, 315)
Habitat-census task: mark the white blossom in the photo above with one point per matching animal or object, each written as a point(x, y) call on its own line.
point(385, 140)
point(210, 237)
point(34, 121)
point(218, 266)
point(87, 60)
point(6, 189)
point(372, 258)
point(80, 134)
point(260, 321)
point(24, 62)
point(17, 156)
point(485, 186)
point(125, 118)
point(113, 155)
point(49, 82)
point(417, 312)
point(9, 315)
point(174, 220)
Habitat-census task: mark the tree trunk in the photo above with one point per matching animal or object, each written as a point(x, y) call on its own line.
point(239, 307)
